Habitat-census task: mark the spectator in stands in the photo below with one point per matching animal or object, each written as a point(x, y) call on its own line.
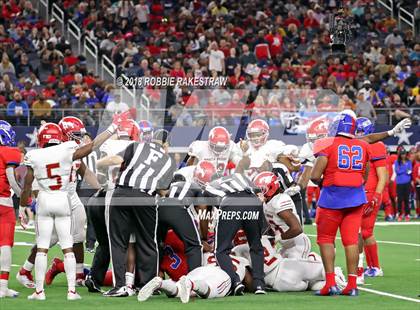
point(394, 39)
point(6, 85)
point(180, 116)
point(17, 110)
point(41, 109)
point(6, 66)
point(24, 68)
point(247, 57)
point(28, 93)
point(142, 13)
point(216, 59)
point(364, 108)
point(403, 169)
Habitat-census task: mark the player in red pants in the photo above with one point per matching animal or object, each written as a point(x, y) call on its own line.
point(10, 158)
point(341, 160)
point(390, 192)
point(374, 186)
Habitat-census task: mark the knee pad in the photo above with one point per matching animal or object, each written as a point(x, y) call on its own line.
point(5, 258)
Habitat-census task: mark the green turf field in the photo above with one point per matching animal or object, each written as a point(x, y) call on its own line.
point(399, 255)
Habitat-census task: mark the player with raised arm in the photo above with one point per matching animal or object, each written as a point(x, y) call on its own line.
point(51, 165)
point(374, 186)
point(10, 158)
point(257, 150)
point(219, 150)
point(281, 215)
point(341, 160)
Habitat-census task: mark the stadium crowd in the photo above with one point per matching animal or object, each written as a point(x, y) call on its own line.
point(275, 55)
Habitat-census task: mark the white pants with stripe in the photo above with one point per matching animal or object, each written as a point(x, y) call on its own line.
point(217, 280)
point(297, 247)
point(53, 214)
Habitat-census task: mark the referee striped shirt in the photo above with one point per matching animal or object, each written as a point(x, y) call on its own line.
point(146, 167)
point(234, 183)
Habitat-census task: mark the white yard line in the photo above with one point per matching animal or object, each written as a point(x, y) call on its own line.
point(384, 242)
point(397, 223)
point(28, 232)
point(23, 243)
point(388, 294)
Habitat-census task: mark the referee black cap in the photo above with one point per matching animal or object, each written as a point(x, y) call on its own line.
point(162, 135)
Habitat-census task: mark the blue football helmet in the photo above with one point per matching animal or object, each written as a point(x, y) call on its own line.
point(344, 124)
point(364, 126)
point(146, 131)
point(7, 134)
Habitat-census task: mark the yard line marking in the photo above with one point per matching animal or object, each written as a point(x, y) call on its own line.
point(396, 223)
point(25, 232)
point(418, 259)
point(24, 243)
point(14, 265)
point(385, 242)
point(388, 294)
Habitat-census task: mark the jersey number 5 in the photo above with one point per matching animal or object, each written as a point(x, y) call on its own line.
point(50, 175)
point(350, 158)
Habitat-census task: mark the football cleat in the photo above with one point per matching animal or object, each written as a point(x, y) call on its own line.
point(260, 291)
point(399, 219)
point(238, 289)
point(37, 296)
point(92, 286)
point(185, 288)
point(148, 290)
point(131, 290)
point(340, 279)
point(350, 292)
point(25, 278)
point(374, 272)
point(9, 293)
point(117, 292)
point(389, 218)
point(407, 218)
point(53, 271)
point(332, 291)
point(72, 295)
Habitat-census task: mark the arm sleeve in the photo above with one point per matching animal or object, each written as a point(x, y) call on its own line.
point(27, 160)
point(193, 149)
point(10, 173)
point(378, 155)
point(322, 147)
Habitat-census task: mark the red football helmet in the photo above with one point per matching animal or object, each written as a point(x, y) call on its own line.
point(267, 182)
point(72, 128)
point(317, 129)
point(128, 128)
point(50, 133)
point(204, 172)
point(219, 139)
point(257, 132)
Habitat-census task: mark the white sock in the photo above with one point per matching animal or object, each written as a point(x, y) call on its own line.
point(200, 287)
point(361, 260)
point(41, 262)
point(79, 268)
point(3, 285)
point(129, 279)
point(70, 269)
point(169, 287)
point(28, 266)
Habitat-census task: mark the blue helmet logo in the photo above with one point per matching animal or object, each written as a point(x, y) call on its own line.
point(364, 126)
point(7, 134)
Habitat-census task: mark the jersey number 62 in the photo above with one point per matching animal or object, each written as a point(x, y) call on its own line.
point(350, 157)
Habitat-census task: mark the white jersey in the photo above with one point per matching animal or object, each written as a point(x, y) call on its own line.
point(73, 177)
point(272, 259)
point(52, 166)
point(187, 172)
point(307, 158)
point(109, 148)
point(202, 151)
point(277, 204)
point(239, 263)
point(267, 152)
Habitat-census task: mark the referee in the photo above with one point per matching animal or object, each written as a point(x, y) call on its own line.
point(146, 170)
point(238, 200)
point(174, 213)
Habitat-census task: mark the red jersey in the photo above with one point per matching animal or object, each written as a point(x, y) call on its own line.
point(174, 261)
point(379, 155)
point(347, 160)
point(416, 173)
point(390, 160)
point(9, 156)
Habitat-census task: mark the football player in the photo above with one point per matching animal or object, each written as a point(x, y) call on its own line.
point(10, 158)
point(288, 274)
point(219, 150)
point(374, 186)
point(208, 281)
point(146, 131)
point(341, 160)
point(282, 217)
point(51, 165)
point(73, 129)
point(257, 150)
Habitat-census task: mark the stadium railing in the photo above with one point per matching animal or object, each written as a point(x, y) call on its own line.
point(389, 5)
point(408, 18)
point(197, 117)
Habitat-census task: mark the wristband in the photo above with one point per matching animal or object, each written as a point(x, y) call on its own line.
point(112, 128)
point(390, 132)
